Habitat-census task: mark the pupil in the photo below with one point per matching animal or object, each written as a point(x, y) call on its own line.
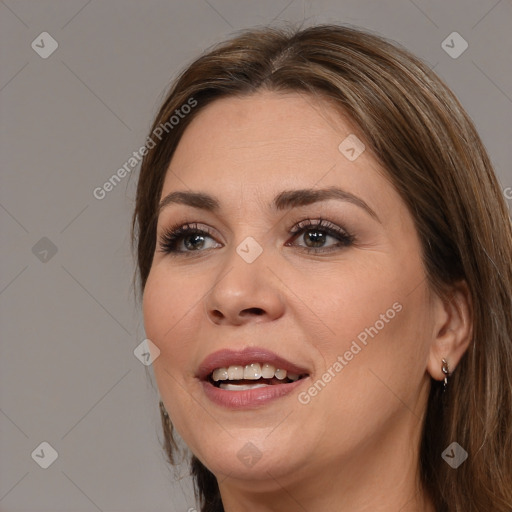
point(316, 237)
point(189, 245)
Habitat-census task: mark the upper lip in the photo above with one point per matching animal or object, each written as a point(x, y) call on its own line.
point(225, 358)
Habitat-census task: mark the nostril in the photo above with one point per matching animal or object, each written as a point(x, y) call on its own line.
point(253, 311)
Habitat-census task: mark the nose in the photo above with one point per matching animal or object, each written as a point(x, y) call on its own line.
point(244, 292)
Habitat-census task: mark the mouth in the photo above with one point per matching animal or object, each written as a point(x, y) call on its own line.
point(249, 377)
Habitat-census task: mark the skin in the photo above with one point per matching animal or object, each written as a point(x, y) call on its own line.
point(355, 445)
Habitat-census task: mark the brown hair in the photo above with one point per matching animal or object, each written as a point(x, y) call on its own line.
point(427, 143)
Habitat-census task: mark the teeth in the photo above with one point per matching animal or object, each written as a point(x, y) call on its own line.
point(241, 387)
point(280, 374)
point(236, 372)
point(267, 371)
point(253, 371)
point(220, 374)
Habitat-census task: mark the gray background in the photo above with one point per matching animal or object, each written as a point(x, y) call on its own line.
point(69, 320)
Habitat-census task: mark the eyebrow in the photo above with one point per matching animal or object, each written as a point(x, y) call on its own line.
point(283, 201)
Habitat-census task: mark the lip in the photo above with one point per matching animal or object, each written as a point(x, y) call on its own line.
point(249, 398)
point(225, 358)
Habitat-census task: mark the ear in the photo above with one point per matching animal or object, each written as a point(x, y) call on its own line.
point(453, 329)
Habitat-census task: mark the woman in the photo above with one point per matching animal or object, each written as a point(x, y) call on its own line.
point(325, 259)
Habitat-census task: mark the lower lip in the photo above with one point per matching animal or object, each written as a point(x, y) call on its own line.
point(249, 397)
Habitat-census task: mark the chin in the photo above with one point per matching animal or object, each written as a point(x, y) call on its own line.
point(251, 457)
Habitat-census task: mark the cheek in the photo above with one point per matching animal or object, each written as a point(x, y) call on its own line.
point(378, 321)
point(373, 385)
point(352, 299)
point(378, 355)
point(167, 306)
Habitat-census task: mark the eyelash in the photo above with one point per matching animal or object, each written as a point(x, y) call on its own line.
point(169, 238)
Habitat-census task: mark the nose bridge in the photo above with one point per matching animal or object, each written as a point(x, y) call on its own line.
point(244, 286)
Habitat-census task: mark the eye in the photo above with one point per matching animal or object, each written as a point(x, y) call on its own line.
point(316, 234)
point(184, 239)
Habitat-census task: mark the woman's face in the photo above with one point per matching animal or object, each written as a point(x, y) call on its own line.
point(344, 304)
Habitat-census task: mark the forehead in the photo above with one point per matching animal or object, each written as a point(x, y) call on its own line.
point(271, 141)
point(266, 124)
